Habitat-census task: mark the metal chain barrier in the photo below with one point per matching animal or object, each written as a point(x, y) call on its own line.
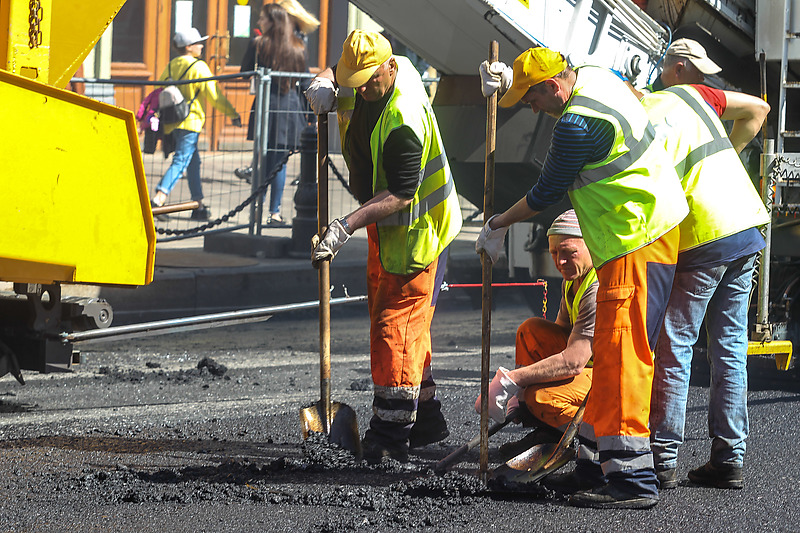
point(233, 212)
point(34, 19)
point(340, 177)
point(544, 297)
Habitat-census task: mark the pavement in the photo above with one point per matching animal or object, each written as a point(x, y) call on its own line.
point(225, 272)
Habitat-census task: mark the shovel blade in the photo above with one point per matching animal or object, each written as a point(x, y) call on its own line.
point(531, 460)
point(343, 425)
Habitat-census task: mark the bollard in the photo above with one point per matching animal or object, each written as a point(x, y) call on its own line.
point(304, 224)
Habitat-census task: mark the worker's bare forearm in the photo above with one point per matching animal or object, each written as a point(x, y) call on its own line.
point(379, 207)
point(516, 213)
point(563, 365)
point(748, 114)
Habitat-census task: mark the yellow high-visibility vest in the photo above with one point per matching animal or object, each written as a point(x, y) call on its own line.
point(632, 197)
point(722, 197)
point(412, 238)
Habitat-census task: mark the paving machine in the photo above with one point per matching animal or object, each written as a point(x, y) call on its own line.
point(630, 37)
point(75, 203)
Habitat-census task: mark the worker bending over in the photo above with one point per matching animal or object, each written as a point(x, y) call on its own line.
point(718, 249)
point(629, 202)
point(400, 175)
point(553, 370)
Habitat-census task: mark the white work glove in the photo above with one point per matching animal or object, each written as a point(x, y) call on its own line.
point(491, 240)
point(498, 75)
point(502, 395)
point(321, 96)
point(327, 248)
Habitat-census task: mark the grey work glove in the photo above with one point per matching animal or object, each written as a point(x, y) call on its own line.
point(321, 95)
point(495, 76)
point(325, 249)
point(502, 395)
point(491, 240)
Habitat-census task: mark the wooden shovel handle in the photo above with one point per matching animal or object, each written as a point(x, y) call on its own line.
point(324, 275)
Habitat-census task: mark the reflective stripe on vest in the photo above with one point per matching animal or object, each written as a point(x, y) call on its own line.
point(633, 196)
point(414, 237)
point(573, 307)
point(723, 198)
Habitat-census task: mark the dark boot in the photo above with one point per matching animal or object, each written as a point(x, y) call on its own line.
point(721, 477)
point(385, 440)
point(430, 426)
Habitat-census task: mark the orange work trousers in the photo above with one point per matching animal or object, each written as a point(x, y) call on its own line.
point(632, 298)
point(401, 309)
point(556, 402)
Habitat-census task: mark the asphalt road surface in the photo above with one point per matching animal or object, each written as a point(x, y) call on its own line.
point(200, 432)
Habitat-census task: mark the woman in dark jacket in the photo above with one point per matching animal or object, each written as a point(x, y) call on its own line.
point(278, 49)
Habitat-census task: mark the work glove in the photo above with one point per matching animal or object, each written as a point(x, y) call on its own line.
point(502, 396)
point(495, 76)
point(325, 249)
point(491, 240)
point(321, 96)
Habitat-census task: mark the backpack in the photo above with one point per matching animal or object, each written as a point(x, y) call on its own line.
point(172, 106)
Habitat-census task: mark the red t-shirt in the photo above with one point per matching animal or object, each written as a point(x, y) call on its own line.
point(713, 97)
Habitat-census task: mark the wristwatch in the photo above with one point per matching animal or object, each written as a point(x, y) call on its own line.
point(345, 225)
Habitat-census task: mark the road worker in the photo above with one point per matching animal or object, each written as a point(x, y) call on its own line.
point(629, 202)
point(400, 176)
point(686, 61)
point(719, 246)
point(553, 370)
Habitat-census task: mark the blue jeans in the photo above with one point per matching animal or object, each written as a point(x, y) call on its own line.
point(273, 158)
point(185, 158)
point(722, 295)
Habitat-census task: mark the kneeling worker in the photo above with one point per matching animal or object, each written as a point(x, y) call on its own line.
point(553, 359)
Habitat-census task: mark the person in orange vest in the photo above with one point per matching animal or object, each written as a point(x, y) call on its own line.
point(553, 370)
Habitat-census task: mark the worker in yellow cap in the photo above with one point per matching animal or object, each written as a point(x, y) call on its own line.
point(400, 175)
point(629, 202)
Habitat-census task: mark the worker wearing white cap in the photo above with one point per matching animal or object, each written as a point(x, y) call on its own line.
point(686, 62)
point(400, 174)
point(553, 370)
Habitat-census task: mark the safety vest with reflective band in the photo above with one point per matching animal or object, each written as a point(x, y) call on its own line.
point(723, 199)
point(413, 237)
point(633, 196)
point(574, 306)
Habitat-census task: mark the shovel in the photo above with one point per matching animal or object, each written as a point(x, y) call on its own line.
point(336, 420)
point(534, 464)
point(455, 456)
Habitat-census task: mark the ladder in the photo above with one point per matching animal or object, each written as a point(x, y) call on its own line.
point(780, 192)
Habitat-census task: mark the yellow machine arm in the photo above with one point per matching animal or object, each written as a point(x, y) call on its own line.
point(76, 205)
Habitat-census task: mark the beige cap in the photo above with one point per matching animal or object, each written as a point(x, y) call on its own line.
point(694, 52)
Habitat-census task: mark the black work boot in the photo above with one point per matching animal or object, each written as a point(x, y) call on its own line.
point(667, 478)
point(611, 497)
point(586, 476)
point(721, 477)
point(430, 426)
point(385, 440)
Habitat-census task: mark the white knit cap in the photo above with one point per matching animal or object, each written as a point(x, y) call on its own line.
point(566, 224)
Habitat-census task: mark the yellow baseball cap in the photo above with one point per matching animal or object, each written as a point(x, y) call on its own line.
point(532, 66)
point(362, 53)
